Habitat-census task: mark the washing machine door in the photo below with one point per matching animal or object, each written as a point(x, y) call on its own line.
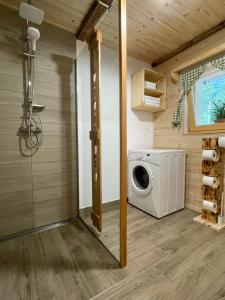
point(141, 177)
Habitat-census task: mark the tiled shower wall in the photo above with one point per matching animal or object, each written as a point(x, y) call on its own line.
point(40, 189)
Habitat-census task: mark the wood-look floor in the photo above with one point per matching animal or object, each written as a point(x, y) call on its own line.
point(62, 263)
point(110, 235)
point(171, 258)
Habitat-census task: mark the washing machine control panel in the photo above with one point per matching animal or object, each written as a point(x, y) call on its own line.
point(151, 158)
point(147, 157)
point(135, 156)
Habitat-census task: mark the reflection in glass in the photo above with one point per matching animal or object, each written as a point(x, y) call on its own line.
point(110, 133)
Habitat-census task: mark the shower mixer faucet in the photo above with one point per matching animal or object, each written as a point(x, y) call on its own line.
point(32, 125)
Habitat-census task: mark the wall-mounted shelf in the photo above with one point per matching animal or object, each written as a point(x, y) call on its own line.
point(139, 90)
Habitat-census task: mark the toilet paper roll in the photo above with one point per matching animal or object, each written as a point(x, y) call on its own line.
point(220, 220)
point(211, 206)
point(221, 142)
point(210, 181)
point(210, 155)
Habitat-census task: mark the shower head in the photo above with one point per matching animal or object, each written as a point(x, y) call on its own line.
point(31, 13)
point(33, 35)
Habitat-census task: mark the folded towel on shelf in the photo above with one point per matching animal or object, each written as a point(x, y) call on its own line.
point(150, 85)
point(152, 103)
point(151, 98)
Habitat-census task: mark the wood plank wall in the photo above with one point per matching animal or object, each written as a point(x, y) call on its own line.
point(41, 189)
point(167, 137)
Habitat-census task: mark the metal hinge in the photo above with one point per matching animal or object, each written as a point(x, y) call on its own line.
point(109, 7)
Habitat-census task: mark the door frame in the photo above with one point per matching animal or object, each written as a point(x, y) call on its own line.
point(123, 130)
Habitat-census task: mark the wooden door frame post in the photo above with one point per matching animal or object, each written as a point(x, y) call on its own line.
point(123, 130)
point(95, 133)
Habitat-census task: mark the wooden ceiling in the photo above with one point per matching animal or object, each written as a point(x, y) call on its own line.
point(155, 27)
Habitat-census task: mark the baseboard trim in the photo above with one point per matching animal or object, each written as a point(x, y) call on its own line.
point(193, 207)
point(104, 206)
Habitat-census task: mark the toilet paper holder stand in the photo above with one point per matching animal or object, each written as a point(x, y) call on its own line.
point(211, 168)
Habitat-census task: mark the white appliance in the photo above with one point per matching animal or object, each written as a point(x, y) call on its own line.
point(156, 180)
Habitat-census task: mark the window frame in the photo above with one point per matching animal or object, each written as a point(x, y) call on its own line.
point(192, 127)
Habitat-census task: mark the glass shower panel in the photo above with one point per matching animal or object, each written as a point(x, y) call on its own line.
point(110, 133)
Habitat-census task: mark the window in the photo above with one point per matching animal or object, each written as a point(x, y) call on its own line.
point(207, 94)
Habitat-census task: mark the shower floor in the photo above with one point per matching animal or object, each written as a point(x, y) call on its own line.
point(63, 263)
point(171, 258)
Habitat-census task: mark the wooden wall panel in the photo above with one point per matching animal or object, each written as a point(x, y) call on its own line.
point(41, 189)
point(167, 137)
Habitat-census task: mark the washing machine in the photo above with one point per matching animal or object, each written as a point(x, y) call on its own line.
point(156, 180)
